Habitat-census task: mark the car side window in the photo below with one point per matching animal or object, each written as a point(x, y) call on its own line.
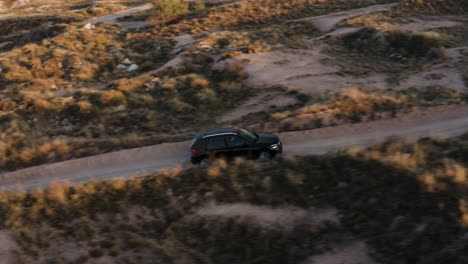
point(234, 141)
point(216, 143)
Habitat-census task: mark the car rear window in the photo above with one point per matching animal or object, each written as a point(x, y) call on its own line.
point(194, 141)
point(216, 142)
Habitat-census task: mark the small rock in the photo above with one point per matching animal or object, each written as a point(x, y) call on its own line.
point(88, 26)
point(121, 67)
point(342, 185)
point(119, 108)
point(65, 122)
point(372, 200)
point(132, 67)
point(127, 61)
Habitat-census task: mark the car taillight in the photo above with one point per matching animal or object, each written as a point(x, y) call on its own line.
point(194, 151)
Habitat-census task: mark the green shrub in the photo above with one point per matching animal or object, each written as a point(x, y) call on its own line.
point(167, 9)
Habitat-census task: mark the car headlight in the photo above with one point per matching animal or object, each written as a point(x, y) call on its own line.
point(275, 146)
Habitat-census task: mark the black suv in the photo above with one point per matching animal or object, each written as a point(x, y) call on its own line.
point(233, 142)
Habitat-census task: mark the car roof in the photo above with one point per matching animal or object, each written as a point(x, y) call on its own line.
point(220, 131)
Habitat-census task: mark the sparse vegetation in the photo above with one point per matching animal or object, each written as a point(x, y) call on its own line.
point(433, 7)
point(166, 9)
point(50, 88)
point(75, 91)
point(254, 13)
point(406, 44)
point(356, 105)
point(384, 195)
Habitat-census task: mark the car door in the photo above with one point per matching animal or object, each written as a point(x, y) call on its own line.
point(237, 146)
point(216, 146)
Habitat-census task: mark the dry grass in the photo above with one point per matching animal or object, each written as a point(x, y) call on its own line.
point(20, 145)
point(169, 9)
point(51, 90)
point(405, 44)
point(356, 105)
point(433, 7)
point(384, 195)
point(254, 13)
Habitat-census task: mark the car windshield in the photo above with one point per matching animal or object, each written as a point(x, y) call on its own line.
point(249, 135)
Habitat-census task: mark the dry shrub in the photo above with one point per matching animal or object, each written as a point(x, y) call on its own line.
point(128, 85)
point(192, 215)
point(21, 146)
point(407, 44)
point(248, 13)
point(167, 9)
point(78, 54)
point(353, 103)
point(432, 7)
point(237, 71)
point(200, 83)
point(112, 98)
point(85, 106)
point(378, 21)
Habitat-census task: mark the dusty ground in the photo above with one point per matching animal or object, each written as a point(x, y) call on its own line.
point(328, 22)
point(285, 218)
point(7, 246)
point(305, 70)
point(353, 253)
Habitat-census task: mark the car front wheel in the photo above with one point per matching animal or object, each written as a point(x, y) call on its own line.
point(264, 156)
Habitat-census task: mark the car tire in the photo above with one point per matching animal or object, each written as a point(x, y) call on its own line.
point(264, 156)
point(204, 163)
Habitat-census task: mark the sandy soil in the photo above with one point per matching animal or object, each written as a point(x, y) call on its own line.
point(303, 70)
point(444, 76)
point(354, 253)
point(442, 121)
point(258, 103)
point(328, 22)
point(7, 245)
point(422, 25)
point(285, 218)
point(183, 42)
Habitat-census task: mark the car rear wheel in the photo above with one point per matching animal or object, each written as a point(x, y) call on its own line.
point(264, 156)
point(204, 163)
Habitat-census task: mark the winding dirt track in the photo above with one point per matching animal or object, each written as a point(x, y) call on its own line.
point(443, 122)
point(112, 18)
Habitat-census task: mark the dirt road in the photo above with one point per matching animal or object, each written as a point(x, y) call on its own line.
point(443, 122)
point(112, 18)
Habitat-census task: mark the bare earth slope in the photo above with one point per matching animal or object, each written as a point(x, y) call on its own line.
point(443, 122)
